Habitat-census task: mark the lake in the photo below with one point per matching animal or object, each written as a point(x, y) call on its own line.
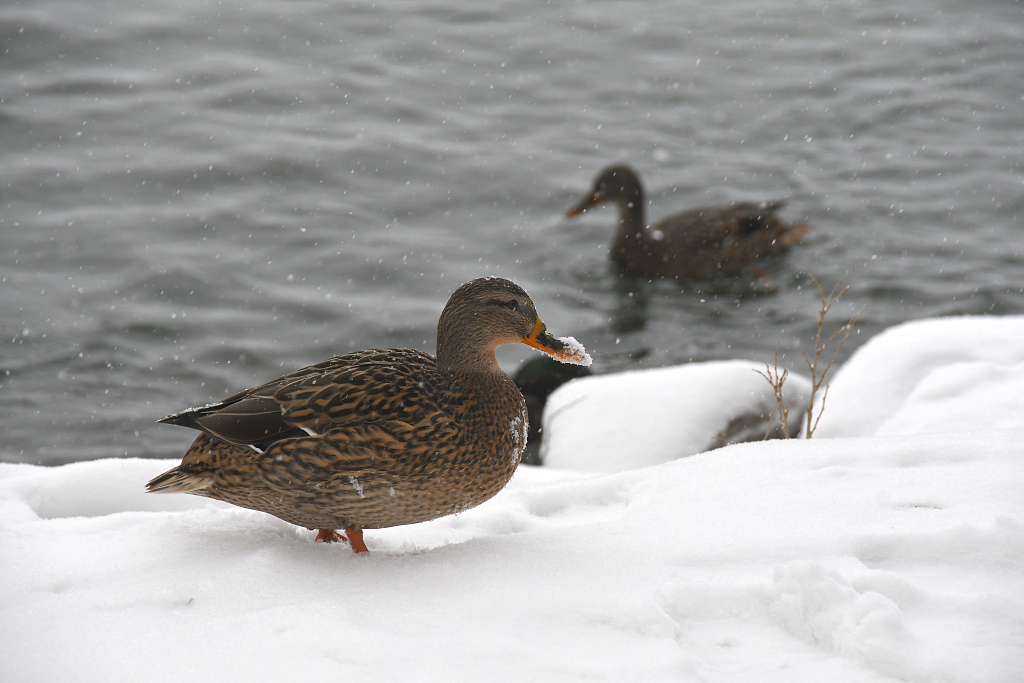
point(198, 196)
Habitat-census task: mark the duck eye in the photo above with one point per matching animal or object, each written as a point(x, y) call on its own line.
point(512, 305)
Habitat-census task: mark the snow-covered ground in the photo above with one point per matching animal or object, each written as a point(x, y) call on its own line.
point(889, 547)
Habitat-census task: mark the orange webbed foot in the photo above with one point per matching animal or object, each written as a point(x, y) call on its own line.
point(355, 537)
point(329, 536)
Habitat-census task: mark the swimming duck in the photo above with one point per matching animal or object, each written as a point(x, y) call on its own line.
point(702, 244)
point(378, 438)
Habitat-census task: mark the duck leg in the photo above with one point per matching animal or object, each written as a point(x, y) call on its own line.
point(354, 536)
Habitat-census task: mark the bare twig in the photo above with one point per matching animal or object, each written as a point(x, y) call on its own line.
point(777, 380)
point(818, 373)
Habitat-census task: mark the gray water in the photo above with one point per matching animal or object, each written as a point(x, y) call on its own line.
point(198, 196)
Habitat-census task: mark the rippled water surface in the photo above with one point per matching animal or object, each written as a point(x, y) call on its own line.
point(197, 196)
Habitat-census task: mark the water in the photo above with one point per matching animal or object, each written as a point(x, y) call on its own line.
point(198, 196)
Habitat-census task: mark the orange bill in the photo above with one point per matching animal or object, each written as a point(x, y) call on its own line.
point(588, 202)
point(565, 350)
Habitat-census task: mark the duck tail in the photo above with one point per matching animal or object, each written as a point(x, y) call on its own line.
point(795, 233)
point(176, 481)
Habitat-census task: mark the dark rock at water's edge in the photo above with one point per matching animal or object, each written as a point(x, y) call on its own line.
point(536, 379)
point(758, 427)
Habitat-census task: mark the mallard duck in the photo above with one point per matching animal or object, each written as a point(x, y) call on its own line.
point(702, 244)
point(379, 438)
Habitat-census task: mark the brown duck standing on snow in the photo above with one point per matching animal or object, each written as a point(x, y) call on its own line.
point(701, 244)
point(377, 438)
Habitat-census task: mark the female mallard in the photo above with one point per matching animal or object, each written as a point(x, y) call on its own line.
point(378, 438)
point(703, 243)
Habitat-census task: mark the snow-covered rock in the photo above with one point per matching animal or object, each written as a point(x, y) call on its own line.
point(598, 423)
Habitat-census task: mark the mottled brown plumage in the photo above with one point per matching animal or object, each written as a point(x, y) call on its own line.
point(377, 438)
point(701, 244)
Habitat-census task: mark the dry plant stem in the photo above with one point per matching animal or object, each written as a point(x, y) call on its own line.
point(818, 374)
point(777, 380)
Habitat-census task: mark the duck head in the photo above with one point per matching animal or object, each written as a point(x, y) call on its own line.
point(486, 313)
point(619, 184)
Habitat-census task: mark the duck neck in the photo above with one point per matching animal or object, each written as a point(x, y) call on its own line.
point(473, 372)
point(632, 233)
point(632, 226)
point(458, 356)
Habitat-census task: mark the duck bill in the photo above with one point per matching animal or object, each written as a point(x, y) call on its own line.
point(541, 340)
point(588, 203)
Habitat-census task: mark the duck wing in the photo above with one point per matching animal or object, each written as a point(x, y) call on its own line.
point(365, 386)
point(752, 218)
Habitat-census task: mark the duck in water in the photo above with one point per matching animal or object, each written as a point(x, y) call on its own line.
point(700, 244)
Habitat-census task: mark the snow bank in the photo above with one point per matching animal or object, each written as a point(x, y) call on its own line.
point(608, 423)
point(854, 560)
point(876, 558)
point(928, 376)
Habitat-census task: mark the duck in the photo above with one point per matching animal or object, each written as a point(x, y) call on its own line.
point(376, 438)
point(702, 244)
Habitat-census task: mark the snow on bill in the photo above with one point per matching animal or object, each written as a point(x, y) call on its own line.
point(574, 352)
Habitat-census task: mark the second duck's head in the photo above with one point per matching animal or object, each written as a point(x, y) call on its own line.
point(617, 183)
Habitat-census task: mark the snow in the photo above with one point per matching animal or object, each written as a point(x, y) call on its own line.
point(679, 410)
point(573, 353)
point(871, 556)
point(937, 375)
